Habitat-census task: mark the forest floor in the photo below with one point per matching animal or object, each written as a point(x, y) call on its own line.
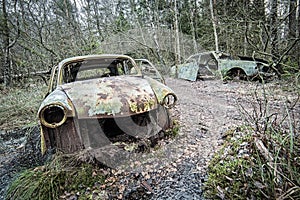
point(206, 110)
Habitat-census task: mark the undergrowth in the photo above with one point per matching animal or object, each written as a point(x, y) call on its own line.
point(19, 105)
point(63, 175)
point(260, 160)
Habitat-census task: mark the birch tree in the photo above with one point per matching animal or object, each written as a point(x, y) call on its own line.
point(214, 23)
point(177, 40)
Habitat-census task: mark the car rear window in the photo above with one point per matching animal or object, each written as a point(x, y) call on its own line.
point(96, 68)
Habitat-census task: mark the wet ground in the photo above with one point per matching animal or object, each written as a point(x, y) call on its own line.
point(19, 150)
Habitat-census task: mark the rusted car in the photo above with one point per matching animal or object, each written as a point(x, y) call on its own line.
point(213, 63)
point(92, 100)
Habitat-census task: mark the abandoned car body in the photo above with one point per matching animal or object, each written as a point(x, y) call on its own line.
point(212, 63)
point(95, 98)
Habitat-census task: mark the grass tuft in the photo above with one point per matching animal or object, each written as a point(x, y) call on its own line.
point(63, 175)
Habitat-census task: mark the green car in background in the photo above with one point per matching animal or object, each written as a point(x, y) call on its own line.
point(213, 63)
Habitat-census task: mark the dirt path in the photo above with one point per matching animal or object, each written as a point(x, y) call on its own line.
point(205, 110)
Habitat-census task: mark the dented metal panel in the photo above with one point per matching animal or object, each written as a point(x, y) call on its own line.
point(111, 96)
point(213, 61)
point(188, 71)
point(249, 67)
point(82, 104)
point(65, 138)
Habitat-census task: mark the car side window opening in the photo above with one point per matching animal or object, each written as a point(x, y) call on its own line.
point(131, 69)
point(70, 72)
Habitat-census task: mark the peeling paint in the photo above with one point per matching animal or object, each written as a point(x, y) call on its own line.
point(139, 107)
point(249, 67)
point(80, 106)
point(111, 107)
point(160, 90)
point(111, 96)
point(188, 71)
point(60, 98)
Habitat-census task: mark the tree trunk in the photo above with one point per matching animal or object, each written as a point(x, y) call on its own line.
point(274, 30)
point(294, 27)
point(292, 19)
point(192, 21)
point(297, 19)
point(214, 23)
point(177, 41)
point(297, 31)
point(6, 59)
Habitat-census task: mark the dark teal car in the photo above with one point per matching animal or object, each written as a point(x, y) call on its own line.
point(213, 63)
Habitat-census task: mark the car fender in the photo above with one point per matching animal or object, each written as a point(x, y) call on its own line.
point(249, 67)
point(161, 91)
point(58, 97)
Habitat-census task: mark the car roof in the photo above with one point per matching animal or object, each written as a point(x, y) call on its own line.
point(95, 56)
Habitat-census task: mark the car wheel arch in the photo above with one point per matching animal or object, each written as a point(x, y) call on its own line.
point(236, 72)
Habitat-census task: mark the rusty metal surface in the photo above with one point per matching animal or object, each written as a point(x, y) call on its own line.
point(115, 96)
point(111, 96)
point(94, 58)
point(58, 97)
point(160, 90)
point(64, 138)
point(135, 104)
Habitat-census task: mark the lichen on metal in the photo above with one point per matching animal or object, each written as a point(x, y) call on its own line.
point(81, 105)
point(115, 96)
point(140, 107)
point(160, 90)
point(102, 107)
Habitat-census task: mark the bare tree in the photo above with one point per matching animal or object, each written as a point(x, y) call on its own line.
point(8, 43)
point(193, 5)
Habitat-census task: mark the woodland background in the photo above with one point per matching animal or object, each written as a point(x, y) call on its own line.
point(36, 34)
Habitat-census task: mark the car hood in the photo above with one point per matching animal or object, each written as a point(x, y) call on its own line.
point(111, 97)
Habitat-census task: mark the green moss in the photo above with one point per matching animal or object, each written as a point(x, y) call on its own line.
point(174, 130)
point(228, 175)
point(241, 170)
